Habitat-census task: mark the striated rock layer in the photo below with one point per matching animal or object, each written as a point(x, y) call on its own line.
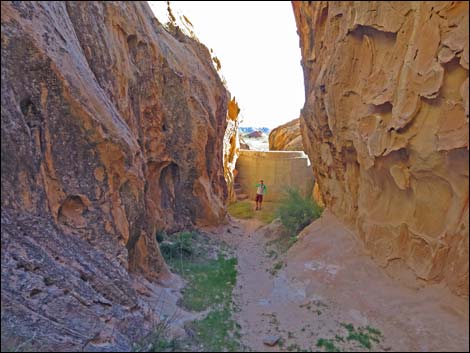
point(286, 137)
point(385, 124)
point(112, 129)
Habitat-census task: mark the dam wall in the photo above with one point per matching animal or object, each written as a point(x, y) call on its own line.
point(280, 170)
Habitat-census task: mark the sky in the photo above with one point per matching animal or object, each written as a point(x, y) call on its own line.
point(258, 47)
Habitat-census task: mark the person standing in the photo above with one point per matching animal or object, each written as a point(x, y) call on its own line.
point(260, 191)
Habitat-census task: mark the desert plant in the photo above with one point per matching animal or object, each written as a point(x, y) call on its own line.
point(365, 336)
point(328, 344)
point(157, 340)
point(276, 268)
point(179, 245)
point(297, 212)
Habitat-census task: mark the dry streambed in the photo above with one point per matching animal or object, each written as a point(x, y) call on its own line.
point(257, 289)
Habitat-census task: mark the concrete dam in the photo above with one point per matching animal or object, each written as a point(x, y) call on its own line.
point(280, 170)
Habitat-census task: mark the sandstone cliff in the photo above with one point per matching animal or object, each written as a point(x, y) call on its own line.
point(231, 148)
point(385, 124)
point(286, 137)
point(112, 128)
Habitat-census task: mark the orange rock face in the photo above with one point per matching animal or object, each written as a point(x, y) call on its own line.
point(385, 124)
point(286, 137)
point(231, 148)
point(112, 129)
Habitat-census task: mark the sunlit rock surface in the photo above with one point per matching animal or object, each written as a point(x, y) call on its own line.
point(286, 137)
point(112, 129)
point(231, 148)
point(385, 124)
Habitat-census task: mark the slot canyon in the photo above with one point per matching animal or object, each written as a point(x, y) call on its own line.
point(128, 222)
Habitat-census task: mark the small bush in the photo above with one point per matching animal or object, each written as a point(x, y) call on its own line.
point(181, 245)
point(276, 268)
point(157, 340)
point(328, 344)
point(365, 336)
point(297, 212)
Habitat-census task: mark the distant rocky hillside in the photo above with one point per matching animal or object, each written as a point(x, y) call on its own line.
point(385, 124)
point(247, 130)
point(112, 129)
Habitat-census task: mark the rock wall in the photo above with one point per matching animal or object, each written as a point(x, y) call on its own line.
point(231, 148)
point(317, 195)
point(112, 128)
point(286, 137)
point(385, 124)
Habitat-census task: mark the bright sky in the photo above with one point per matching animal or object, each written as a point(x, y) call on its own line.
point(258, 46)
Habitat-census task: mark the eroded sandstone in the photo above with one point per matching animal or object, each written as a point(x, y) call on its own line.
point(286, 137)
point(112, 129)
point(231, 148)
point(385, 124)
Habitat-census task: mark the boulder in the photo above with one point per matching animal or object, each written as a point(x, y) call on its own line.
point(271, 340)
point(286, 137)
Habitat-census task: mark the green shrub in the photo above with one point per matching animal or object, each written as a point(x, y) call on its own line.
point(180, 245)
point(276, 268)
point(328, 344)
point(297, 212)
point(365, 336)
